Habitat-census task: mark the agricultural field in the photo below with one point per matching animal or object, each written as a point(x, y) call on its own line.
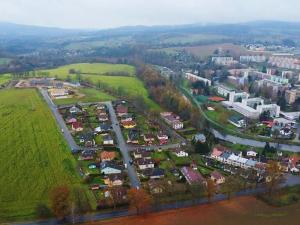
point(242, 210)
point(204, 51)
point(34, 155)
point(4, 78)
point(193, 38)
point(100, 72)
point(85, 95)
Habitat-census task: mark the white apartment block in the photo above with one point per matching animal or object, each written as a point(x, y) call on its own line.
point(285, 62)
point(252, 58)
point(222, 60)
point(194, 78)
point(231, 94)
point(253, 107)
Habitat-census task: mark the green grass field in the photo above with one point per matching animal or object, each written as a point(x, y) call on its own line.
point(34, 155)
point(4, 78)
point(131, 83)
point(90, 95)
point(98, 68)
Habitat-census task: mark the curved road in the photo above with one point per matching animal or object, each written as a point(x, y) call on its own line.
point(236, 139)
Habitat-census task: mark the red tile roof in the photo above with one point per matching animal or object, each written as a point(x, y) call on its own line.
point(216, 99)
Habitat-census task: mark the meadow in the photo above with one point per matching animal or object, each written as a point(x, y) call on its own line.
point(34, 155)
point(4, 78)
point(91, 68)
point(95, 73)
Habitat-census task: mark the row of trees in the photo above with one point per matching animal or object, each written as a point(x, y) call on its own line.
point(165, 93)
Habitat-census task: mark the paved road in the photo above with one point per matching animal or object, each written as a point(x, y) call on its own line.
point(123, 147)
point(153, 147)
point(290, 181)
point(60, 121)
point(115, 124)
point(254, 143)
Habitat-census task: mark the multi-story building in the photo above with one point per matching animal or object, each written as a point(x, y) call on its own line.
point(290, 96)
point(231, 94)
point(194, 78)
point(223, 60)
point(252, 58)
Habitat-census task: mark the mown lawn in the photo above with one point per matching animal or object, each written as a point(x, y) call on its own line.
point(96, 73)
point(90, 95)
point(34, 157)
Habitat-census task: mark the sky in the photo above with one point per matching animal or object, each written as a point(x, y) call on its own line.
point(99, 14)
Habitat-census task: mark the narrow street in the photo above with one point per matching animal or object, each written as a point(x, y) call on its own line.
point(60, 121)
point(115, 124)
point(123, 147)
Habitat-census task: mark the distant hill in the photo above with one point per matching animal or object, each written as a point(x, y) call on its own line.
point(14, 30)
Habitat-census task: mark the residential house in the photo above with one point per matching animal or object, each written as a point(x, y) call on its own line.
point(101, 107)
point(192, 176)
point(172, 119)
point(58, 93)
point(251, 153)
point(133, 136)
point(108, 140)
point(156, 186)
point(118, 193)
point(149, 138)
point(103, 128)
point(154, 173)
point(250, 163)
point(77, 126)
point(71, 120)
point(225, 157)
point(141, 153)
point(294, 164)
point(128, 124)
point(107, 156)
point(217, 177)
point(101, 112)
point(127, 117)
point(113, 180)
point(162, 138)
point(217, 152)
point(110, 167)
point(74, 110)
point(121, 110)
point(87, 155)
point(144, 163)
point(180, 153)
point(103, 118)
point(87, 139)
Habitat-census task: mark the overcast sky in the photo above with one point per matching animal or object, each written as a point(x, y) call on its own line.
point(114, 13)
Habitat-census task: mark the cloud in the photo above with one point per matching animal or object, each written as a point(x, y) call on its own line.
point(113, 13)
